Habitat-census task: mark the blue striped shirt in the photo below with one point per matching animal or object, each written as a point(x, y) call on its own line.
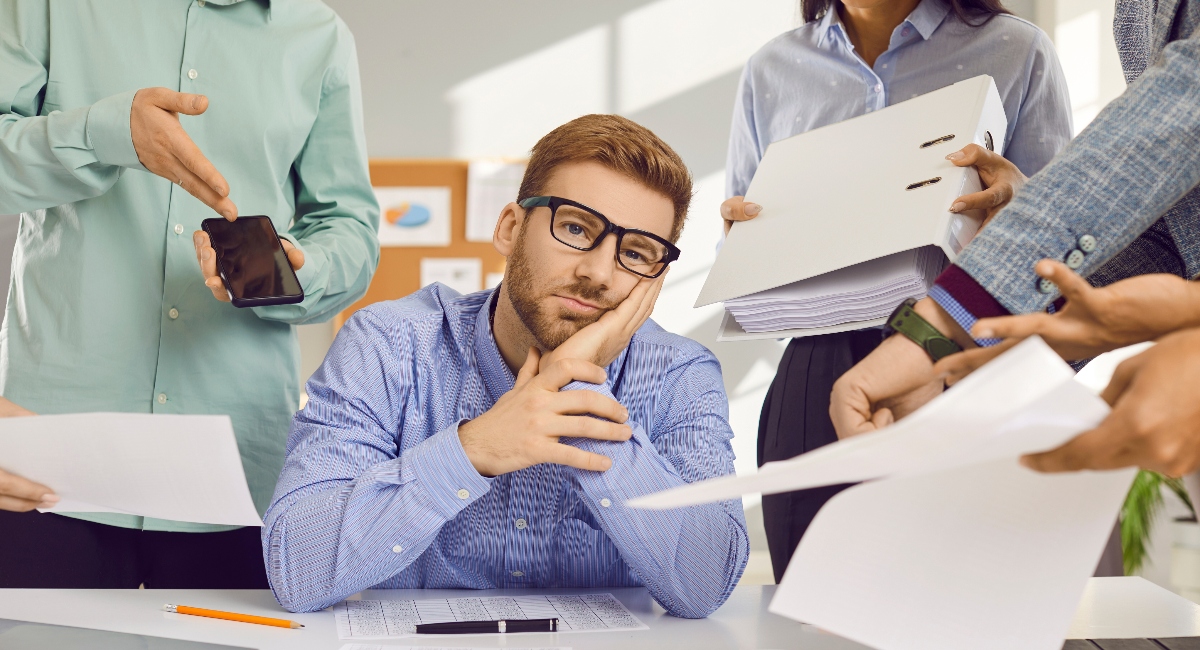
point(377, 492)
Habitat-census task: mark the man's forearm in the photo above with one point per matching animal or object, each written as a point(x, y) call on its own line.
point(321, 545)
point(690, 558)
point(1105, 189)
point(64, 157)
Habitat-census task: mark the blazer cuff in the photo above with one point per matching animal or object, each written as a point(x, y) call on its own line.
point(965, 300)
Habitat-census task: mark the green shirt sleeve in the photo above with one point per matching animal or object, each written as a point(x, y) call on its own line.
point(62, 157)
point(337, 217)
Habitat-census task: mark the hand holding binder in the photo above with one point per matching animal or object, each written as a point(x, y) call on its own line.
point(827, 207)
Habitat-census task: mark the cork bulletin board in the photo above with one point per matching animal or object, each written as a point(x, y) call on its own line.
point(399, 272)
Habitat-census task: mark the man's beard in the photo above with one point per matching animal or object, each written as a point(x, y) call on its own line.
point(550, 330)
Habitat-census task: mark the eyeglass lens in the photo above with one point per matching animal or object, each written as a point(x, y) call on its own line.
point(581, 229)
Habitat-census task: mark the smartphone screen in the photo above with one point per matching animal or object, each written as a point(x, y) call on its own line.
point(252, 261)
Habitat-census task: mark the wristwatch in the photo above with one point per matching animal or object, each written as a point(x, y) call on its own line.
point(919, 331)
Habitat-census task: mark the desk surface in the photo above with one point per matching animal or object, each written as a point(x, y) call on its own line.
point(1111, 608)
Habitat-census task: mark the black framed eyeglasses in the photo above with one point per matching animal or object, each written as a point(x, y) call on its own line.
point(582, 228)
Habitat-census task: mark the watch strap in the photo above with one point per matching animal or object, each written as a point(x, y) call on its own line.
point(911, 324)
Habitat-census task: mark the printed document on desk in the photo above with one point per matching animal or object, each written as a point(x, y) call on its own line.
point(389, 619)
point(849, 194)
point(949, 543)
point(177, 467)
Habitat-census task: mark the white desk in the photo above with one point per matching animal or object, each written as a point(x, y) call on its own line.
point(1111, 608)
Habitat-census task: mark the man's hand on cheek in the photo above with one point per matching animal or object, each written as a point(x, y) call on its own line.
point(523, 428)
point(602, 342)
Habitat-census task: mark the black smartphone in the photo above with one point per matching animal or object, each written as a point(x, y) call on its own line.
point(252, 262)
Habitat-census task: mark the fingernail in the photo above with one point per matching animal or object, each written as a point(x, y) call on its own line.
point(985, 333)
point(205, 255)
point(50, 499)
point(752, 209)
point(226, 213)
point(958, 206)
point(196, 102)
point(957, 155)
point(726, 211)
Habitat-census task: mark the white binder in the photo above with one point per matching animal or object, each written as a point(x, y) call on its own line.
point(855, 191)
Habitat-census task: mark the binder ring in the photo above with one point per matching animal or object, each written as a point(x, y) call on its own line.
point(987, 141)
point(944, 138)
point(920, 184)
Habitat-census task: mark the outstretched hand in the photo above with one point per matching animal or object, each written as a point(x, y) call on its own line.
point(1093, 321)
point(165, 149)
point(1155, 421)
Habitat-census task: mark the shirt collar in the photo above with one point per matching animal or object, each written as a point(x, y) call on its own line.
point(926, 18)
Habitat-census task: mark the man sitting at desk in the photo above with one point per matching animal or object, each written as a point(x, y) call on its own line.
point(420, 461)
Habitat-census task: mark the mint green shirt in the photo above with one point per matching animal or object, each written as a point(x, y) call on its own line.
point(107, 308)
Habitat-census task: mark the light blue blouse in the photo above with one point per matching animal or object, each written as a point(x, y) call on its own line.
point(811, 77)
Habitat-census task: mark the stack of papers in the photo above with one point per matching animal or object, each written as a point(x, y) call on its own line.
point(949, 542)
point(863, 292)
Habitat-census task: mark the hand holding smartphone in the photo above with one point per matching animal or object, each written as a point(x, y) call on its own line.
point(252, 263)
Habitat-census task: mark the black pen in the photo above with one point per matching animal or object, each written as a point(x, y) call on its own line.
point(491, 627)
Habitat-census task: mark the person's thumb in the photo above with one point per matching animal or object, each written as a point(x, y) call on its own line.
point(185, 103)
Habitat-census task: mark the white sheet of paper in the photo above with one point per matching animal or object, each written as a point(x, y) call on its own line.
point(177, 467)
point(953, 544)
point(389, 619)
point(463, 274)
point(491, 185)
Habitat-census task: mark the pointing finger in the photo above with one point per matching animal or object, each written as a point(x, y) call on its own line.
point(177, 102)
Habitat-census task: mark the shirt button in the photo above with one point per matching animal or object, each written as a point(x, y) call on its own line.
point(1045, 286)
point(178, 229)
point(201, 3)
point(604, 503)
point(397, 548)
point(518, 574)
point(1075, 259)
point(162, 398)
point(463, 494)
point(192, 74)
point(521, 524)
point(878, 88)
point(1087, 243)
point(173, 314)
point(906, 32)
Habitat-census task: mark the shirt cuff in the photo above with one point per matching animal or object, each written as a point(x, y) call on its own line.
point(109, 133)
point(441, 467)
point(965, 300)
point(314, 259)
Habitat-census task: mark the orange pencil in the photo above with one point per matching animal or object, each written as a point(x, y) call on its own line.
point(230, 616)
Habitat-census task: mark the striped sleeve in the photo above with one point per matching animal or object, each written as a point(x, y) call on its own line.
point(689, 558)
point(349, 510)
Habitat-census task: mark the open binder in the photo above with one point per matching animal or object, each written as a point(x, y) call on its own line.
point(850, 194)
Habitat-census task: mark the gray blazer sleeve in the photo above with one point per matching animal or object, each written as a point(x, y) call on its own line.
point(1136, 160)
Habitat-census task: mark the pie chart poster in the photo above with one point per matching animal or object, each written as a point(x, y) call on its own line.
point(414, 216)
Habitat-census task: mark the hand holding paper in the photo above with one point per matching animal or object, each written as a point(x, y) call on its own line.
point(177, 467)
point(950, 541)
